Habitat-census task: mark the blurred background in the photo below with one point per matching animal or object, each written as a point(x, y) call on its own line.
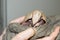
point(18, 8)
point(12, 9)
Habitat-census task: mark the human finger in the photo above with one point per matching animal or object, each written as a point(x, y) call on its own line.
point(18, 20)
point(54, 34)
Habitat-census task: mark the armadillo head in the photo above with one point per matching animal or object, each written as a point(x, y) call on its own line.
point(35, 18)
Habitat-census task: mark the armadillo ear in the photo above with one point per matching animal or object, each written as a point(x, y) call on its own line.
point(43, 17)
point(27, 19)
point(36, 16)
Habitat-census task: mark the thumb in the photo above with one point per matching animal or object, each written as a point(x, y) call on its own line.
point(54, 34)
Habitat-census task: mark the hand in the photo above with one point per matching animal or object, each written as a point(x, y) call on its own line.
point(25, 35)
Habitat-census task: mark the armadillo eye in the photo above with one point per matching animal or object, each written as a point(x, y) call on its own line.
point(29, 20)
point(42, 21)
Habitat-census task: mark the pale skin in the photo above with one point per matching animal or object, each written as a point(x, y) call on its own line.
point(25, 35)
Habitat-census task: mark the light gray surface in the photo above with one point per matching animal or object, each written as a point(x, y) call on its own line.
point(3, 14)
point(17, 8)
